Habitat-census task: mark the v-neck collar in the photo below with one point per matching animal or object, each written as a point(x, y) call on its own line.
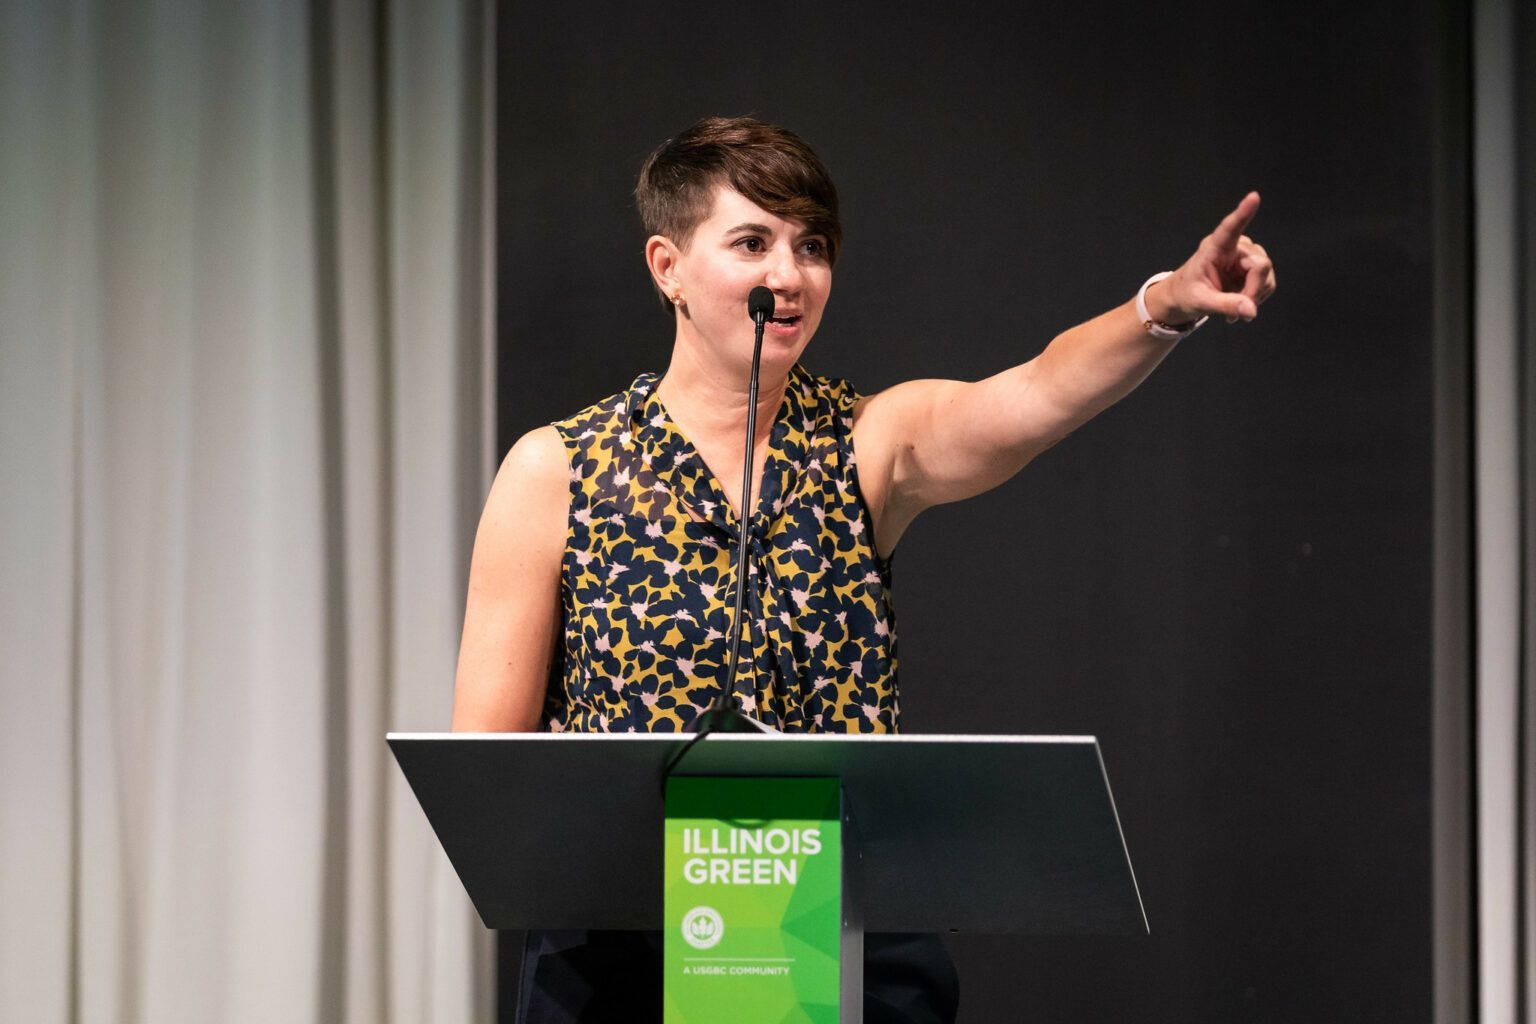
point(677, 463)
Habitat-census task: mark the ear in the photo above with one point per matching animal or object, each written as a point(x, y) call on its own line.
point(662, 257)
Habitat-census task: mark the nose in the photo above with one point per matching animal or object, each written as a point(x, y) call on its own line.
point(783, 273)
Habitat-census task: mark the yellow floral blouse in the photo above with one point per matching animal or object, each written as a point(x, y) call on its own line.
point(646, 575)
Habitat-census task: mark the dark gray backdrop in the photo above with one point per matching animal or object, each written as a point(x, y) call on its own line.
point(1226, 578)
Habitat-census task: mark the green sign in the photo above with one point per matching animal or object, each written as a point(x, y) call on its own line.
point(753, 900)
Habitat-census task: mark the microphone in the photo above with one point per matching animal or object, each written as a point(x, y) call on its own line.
point(759, 308)
point(725, 714)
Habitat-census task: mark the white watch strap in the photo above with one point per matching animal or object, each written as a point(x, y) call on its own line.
point(1156, 328)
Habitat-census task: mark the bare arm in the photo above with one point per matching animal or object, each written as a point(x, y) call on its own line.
point(937, 441)
point(512, 616)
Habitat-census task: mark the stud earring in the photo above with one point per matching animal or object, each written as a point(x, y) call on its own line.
point(677, 300)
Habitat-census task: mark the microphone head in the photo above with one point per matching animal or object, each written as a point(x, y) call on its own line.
point(760, 303)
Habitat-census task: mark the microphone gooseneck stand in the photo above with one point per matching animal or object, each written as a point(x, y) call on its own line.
point(725, 714)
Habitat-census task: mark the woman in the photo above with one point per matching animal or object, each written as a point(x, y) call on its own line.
point(598, 588)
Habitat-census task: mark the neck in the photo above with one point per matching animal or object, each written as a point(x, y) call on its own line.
point(710, 401)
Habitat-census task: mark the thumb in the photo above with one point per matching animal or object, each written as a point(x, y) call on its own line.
point(1232, 305)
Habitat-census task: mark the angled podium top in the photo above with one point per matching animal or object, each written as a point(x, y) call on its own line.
point(1000, 834)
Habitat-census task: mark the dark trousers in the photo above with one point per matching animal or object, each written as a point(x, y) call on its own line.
point(598, 977)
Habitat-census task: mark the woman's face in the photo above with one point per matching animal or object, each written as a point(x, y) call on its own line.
point(736, 248)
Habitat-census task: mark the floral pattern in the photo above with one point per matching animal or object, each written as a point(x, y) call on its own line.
point(646, 577)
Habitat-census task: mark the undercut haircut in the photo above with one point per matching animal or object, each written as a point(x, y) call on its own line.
point(769, 165)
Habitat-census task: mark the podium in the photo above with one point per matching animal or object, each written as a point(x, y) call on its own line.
point(989, 834)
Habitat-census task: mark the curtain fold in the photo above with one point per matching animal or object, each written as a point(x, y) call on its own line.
point(240, 413)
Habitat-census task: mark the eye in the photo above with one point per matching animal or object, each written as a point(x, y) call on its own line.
point(816, 248)
point(751, 244)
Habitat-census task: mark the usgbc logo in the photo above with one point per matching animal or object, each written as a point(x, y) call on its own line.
point(702, 927)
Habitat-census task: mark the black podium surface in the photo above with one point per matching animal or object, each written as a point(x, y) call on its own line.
point(996, 834)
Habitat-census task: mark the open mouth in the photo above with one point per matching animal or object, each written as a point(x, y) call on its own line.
point(784, 321)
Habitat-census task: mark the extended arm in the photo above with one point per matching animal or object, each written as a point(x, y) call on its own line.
point(942, 440)
point(512, 616)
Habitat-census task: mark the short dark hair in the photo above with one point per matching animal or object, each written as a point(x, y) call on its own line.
point(769, 165)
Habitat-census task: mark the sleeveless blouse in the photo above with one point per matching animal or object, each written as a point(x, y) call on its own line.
point(646, 587)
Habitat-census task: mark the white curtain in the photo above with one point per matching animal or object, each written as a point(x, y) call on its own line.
point(243, 440)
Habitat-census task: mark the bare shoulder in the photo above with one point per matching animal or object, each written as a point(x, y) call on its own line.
point(533, 478)
point(887, 416)
point(523, 525)
point(885, 428)
point(538, 459)
point(512, 614)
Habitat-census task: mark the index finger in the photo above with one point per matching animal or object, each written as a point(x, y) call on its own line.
point(1232, 225)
